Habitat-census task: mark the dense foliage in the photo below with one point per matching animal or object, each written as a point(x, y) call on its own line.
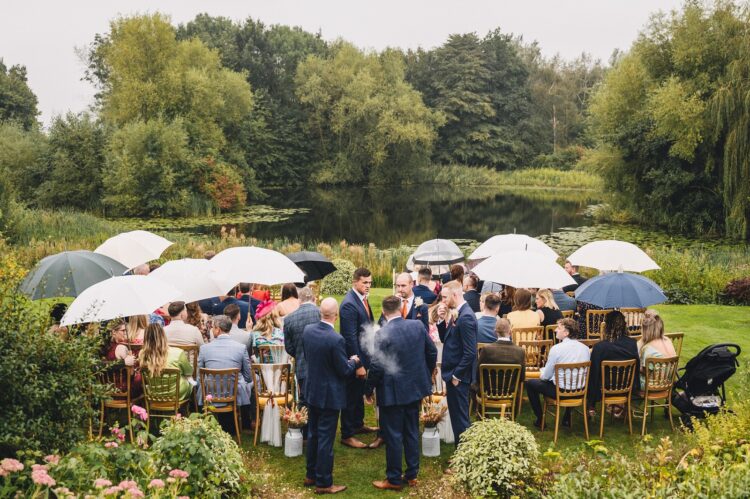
point(17, 101)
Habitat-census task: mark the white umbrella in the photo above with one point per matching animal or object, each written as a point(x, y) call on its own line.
point(511, 242)
point(134, 248)
point(120, 296)
point(191, 276)
point(252, 264)
point(523, 269)
point(613, 255)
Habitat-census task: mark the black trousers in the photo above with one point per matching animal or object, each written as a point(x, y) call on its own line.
point(538, 388)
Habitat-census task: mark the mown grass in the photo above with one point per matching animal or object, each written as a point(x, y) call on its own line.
point(702, 324)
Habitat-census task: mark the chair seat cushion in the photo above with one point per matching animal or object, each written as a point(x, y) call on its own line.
point(533, 374)
point(655, 395)
point(565, 402)
point(282, 401)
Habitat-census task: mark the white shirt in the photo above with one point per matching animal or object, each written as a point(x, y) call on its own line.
point(180, 333)
point(566, 352)
point(361, 297)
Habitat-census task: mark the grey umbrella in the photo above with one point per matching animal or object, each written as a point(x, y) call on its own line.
point(68, 274)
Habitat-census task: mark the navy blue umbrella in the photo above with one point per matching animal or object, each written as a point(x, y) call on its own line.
point(620, 290)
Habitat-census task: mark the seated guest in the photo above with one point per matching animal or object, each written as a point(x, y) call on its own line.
point(506, 300)
point(179, 332)
point(563, 301)
point(232, 312)
point(156, 355)
point(581, 308)
point(471, 295)
point(522, 315)
point(653, 343)
point(423, 290)
point(244, 309)
point(572, 270)
point(136, 328)
point(196, 317)
point(616, 344)
point(487, 321)
point(118, 351)
point(289, 300)
point(502, 351)
point(546, 307)
point(568, 351)
point(267, 330)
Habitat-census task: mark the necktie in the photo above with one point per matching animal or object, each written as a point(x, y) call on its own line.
point(403, 309)
point(367, 306)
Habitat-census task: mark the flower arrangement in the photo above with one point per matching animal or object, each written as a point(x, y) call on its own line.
point(432, 414)
point(295, 418)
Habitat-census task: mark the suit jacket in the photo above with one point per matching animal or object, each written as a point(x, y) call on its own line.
point(420, 313)
point(425, 293)
point(244, 309)
point(502, 352)
point(294, 326)
point(328, 367)
point(472, 298)
point(579, 279)
point(253, 304)
point(225, 353)
point(459, 345)
point(402, 372)
point(353, 318)
point(208, 305)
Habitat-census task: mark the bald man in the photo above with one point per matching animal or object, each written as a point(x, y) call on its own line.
point(328, 370)
point(412, 307)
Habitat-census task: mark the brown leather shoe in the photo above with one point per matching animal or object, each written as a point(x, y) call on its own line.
point(386, 485)
point(367, 429)
point(333, 489)
point(376, 443)
point(309, 482)
point(353, 443)
point(413, 482)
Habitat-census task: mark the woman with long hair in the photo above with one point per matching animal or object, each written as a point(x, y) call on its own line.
point(197, 318)
point(156, 355)
point(506, 300)
point(118, 350)
point(267, 330)
point(136, 328)
point(522, 315)
point(653, 343)
point(546, 307)
point(289, 300)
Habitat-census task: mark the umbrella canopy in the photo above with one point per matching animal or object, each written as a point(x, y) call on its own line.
point(68, 274)
point(620, 290)
point(134, 248)
point(438, 252)
point(613, 255)
point(252, 264)
point(523, 269)
point(511, 242)
point(120, 296)
point(191, 276)
point(313, 264)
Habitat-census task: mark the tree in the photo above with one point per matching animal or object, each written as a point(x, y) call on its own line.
point(22, 156)
point(17, 101)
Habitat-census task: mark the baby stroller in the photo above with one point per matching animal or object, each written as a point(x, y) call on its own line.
point(701, 382)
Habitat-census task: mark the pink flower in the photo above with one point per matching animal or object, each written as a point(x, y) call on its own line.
point(128, 484)
point(111, 491)
point(40, 477)
point(62, 491)
point(156, 484)
point(177, 473)
point(100, 483)
point(171, 480)
point(52, 458)
point(119, 434)
point(38, 467)
point(111, 445)
point(135, 493)
point(11, 465)
point(3, 472)
point(178, 416)
point(140, 412)
point(183, 497)
point(209, 398)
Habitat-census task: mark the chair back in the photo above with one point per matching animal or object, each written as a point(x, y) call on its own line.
point(221, 384)
point(549, 332)
point(572, 294)
point(119, 376)
point(527, 333)
point(617, 376)
point(590, 342)
point(270, 354)
point(192, 354)
point(660, 373)
point(536, 353)
point(164, 390)
point(498, 381)
point(261, 383)
point(480, 346)
point(568, 314)
point(572, 380)
point(634, 319)
point(676, 339)
point(593, 320)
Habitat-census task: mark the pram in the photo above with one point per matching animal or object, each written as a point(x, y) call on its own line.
point(700, 386)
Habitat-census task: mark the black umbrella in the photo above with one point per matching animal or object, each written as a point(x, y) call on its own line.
point(313, 264)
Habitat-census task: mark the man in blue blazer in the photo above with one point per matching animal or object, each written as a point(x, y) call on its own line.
point(422, 289)
point(356, 315)
point(328, 369)
point(411, 307)
point(401, 372)
point(459, 339)
point(244, 309)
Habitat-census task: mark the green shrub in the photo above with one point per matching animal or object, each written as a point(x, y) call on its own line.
point(564, 159)
point(496, 457)
point(339, 282)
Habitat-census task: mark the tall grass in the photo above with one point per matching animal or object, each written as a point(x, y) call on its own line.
point(530, 177)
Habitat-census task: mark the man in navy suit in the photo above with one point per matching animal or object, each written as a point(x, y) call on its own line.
point(328, 369)
point(244, 309)
point(459, 339)
point(247, 297)
point(422, 289)
point(412, 307)
point(356, 315)
point(471, 295)
point(401, 372)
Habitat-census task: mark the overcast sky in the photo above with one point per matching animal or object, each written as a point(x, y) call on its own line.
point(43, 35)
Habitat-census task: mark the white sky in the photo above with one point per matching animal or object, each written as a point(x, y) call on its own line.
point(43, 35)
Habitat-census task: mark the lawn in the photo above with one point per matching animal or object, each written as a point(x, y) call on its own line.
point(702, 324)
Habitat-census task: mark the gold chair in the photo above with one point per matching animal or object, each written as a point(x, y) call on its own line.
point(265, 394)
point(222, 385)
point(192, 352)
point(270, 354)
point(536, 352)
point(593, 318)
point(568, 314)
point(659, 380)
point(549, 332)
point(498, 389)
point(527, 333)
point(570, 391)
point(162, 394)
point(590, 342)
point(120, 377)
point(617, 388)
point(676, 339)
point(572, 294)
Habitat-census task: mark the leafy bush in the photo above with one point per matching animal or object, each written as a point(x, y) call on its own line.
point(738, 291)
point(495, 457)
point(339, 282)
point(564, 159)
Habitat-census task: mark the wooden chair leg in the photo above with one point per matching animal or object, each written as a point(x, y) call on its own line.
point(557, 421)
point(601, 419)
point(669, 410)
point(544, 413)
point(237, 426)
point(630, 416)
point(585, 419)
point(257, 423)
point(645, 416)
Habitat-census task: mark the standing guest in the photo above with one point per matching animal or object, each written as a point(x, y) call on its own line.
point(267, 330)
point(404, 343)
point(289, 300)
point(136, 328)
point(653, 343)
point(412, 307)
point(581, 308)
point(197, 318)
point(564, 302)
point(226, 300)
point(156, 355)
point(546, 307)
point(506, 300)
point(457, 274)
point(325, 392)
point(422, 289)
point(179, 332)
point(232, 312)
point(459, 339)
point(432, 312)
point(142, 269)
point(487, 321)
point(471, 295)
point(502, 351)
point(246, 296)
point(356, 315)
point(572, 270)
point(616, 344)
point(522, 315)
point(568, 351)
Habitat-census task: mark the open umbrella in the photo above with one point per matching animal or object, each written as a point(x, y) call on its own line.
point(313, 264)
point(511, 242)
point(523, 269)
point(253, 264)
point(438, 252)
point(192, 276)
point(134, 248)
point(620, 290)
point(613, 255)
point(68, 274)
point(120, 296)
